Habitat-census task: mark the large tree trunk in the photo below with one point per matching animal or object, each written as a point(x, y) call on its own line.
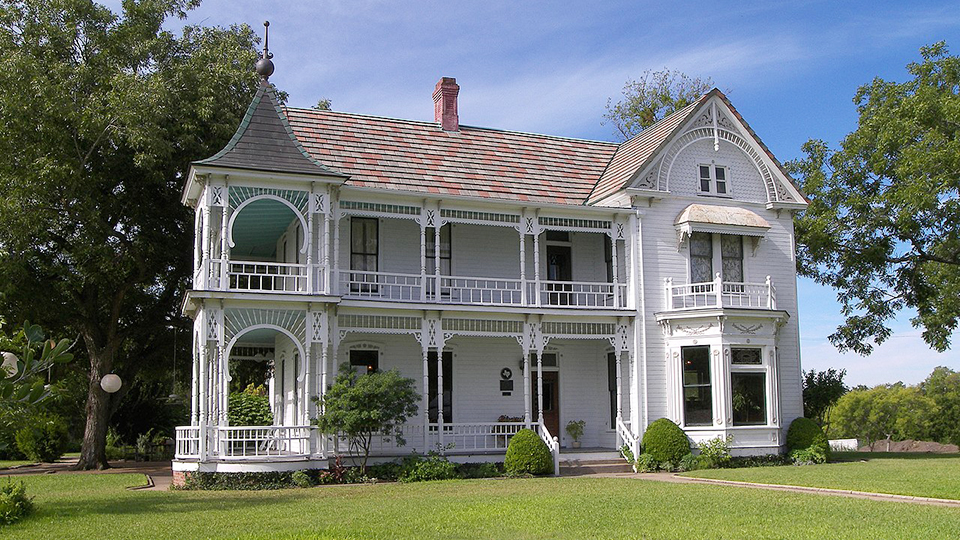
point(93, 452)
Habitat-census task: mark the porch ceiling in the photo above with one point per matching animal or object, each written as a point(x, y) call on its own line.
point(257, 228)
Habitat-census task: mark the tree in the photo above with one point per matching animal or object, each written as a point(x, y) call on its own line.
point(943, 387)
point(882, 226)
point(22, 384)
point(360, 406)
point(885, 412)
point(102, 115)
point(324, 104)
point(655, 95)
point(821, 390)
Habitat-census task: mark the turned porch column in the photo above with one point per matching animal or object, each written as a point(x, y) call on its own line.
point(426, 394)
point(540, 386)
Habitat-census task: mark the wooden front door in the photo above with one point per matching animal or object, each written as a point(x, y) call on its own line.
point(551, 400)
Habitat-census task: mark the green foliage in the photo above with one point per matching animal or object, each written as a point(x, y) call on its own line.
point(575, 429)
point(881, 226)
point(652, 97)
point(665, 441)
point(647, 463)
point(943, 387)
point(14, 502)
point(811, 455)
point(360, 406)
point(480, 470)
point(301, 479)
point(43, 438)
point(891, 412)
point(107, 111)
point(22, 384)
point(527, 454)
point(715, 452)
point(433, 467)
point(249, 408)
point(821, 390)
point(806, 442)
point(627, 453)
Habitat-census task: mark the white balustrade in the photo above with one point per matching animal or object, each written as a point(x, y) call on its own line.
point(187, 442)
point(581, 294)
point(380, 285)
point(482, 291)
point(626, 435)
point(721, 293)
point(553, 444)
point(267, 276)
point(257, 442)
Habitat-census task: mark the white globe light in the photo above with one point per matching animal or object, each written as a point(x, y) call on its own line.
point(110, 383)
point(9, 364)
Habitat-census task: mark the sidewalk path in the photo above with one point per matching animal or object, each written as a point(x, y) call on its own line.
point(159, 474)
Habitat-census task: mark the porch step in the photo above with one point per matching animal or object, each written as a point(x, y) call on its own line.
point(578, 467)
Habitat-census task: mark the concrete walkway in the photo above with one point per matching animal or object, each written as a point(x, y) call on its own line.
point(159, 474)
point(676, 479)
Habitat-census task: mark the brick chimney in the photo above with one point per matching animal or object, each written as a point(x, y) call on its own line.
point(445, 104)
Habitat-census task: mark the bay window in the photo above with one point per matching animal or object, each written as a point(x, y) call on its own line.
point(697, 386)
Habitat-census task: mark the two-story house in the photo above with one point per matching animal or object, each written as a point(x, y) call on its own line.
point(523, 280)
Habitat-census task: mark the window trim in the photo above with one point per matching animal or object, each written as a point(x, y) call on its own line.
point(375, 254)
point(763, 368)
point(711, 384)
point(713, 181)
point(716, 257)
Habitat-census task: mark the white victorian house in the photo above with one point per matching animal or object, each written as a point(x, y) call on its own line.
point(526, 280)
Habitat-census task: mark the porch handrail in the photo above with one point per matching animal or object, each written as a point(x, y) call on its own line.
point(392, 286)
point(257, 442)
point(582, 293)
point(266, 276)
point(719, 293)
point(553, 444)
point(625, 434)
point(187, 440)
point(480, 290)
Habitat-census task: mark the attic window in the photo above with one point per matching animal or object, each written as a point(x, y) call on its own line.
point(713, 179)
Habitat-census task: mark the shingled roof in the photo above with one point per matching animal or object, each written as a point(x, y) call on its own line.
point(406, 155)
point(265, 142)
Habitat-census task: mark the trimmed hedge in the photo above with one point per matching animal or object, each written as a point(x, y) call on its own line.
point(527, 454)
point(665, 441)
point(806, 442)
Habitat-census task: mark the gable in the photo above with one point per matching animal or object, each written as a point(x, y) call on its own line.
point(709, 132)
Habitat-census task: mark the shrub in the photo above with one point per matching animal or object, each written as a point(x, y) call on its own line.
point(248, 408)
point(715, 452)
point(43, 438)
point(647, 463)
point(480, 470)
point(435, 467)
point(252, 481)
point(9, 425)
point(389, 471)
point(14, 503)
point(527, 454)
point(626, 453)
point(806, 439)
point(691, 462)
point(665, 441)
point(301, 479)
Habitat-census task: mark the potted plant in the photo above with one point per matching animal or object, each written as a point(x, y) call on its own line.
point(575, 430)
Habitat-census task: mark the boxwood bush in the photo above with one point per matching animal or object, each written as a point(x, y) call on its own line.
point(14, 503)
point(665, 441)
point(527, 454)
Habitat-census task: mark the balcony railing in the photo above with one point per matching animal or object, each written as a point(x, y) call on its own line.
point(719, 293)
point(581, 294)
point(259, 276)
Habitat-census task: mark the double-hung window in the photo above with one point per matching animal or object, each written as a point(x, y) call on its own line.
point(720, 251)
point(364, 253)
point(697, 386)
point(748, 384)
point(713, 179)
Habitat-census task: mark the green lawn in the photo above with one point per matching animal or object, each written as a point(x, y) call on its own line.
point(922, 475)
point(99, 506)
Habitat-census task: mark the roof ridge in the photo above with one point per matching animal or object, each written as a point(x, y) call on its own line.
point(434, 124)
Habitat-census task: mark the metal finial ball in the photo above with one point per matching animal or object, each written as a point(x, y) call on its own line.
point(264, 67)
point(266, 23)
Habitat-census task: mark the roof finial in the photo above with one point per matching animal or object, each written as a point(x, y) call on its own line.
point(264, 66)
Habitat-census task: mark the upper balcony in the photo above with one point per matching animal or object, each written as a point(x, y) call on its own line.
point(720, 294)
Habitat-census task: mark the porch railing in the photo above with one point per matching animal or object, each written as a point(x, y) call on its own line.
point(718, 293)
point(581, 294)
point(187, 442)
point(264, 276)
point(381, 285)
point(481, 291)
point(553, 444)
point(626, 435)
point(257, 442)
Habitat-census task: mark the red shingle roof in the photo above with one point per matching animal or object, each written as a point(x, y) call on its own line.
point(418, 156)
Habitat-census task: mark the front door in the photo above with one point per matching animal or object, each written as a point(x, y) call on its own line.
point(551, 400)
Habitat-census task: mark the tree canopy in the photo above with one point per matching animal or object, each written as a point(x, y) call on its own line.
point(655, 95)
point(821, 390)
point(102, 115)
point(883, 224)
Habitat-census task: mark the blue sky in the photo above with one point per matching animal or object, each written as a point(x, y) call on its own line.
point(791, 68)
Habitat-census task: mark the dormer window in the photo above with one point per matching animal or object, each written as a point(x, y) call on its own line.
point(713, 179)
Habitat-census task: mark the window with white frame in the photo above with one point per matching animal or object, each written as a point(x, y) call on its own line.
point(697, 386)
point(713, 179)
point(748, 386)
point(709, 251)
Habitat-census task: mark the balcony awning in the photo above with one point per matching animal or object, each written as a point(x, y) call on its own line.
point(721, 219)
point(710, 218)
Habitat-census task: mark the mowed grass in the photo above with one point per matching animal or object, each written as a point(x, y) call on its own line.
point(920, 475)
point(7, 463)
point(98, 506)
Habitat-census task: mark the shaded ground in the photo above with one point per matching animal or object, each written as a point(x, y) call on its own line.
point(911, 446)
point(159, 473)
